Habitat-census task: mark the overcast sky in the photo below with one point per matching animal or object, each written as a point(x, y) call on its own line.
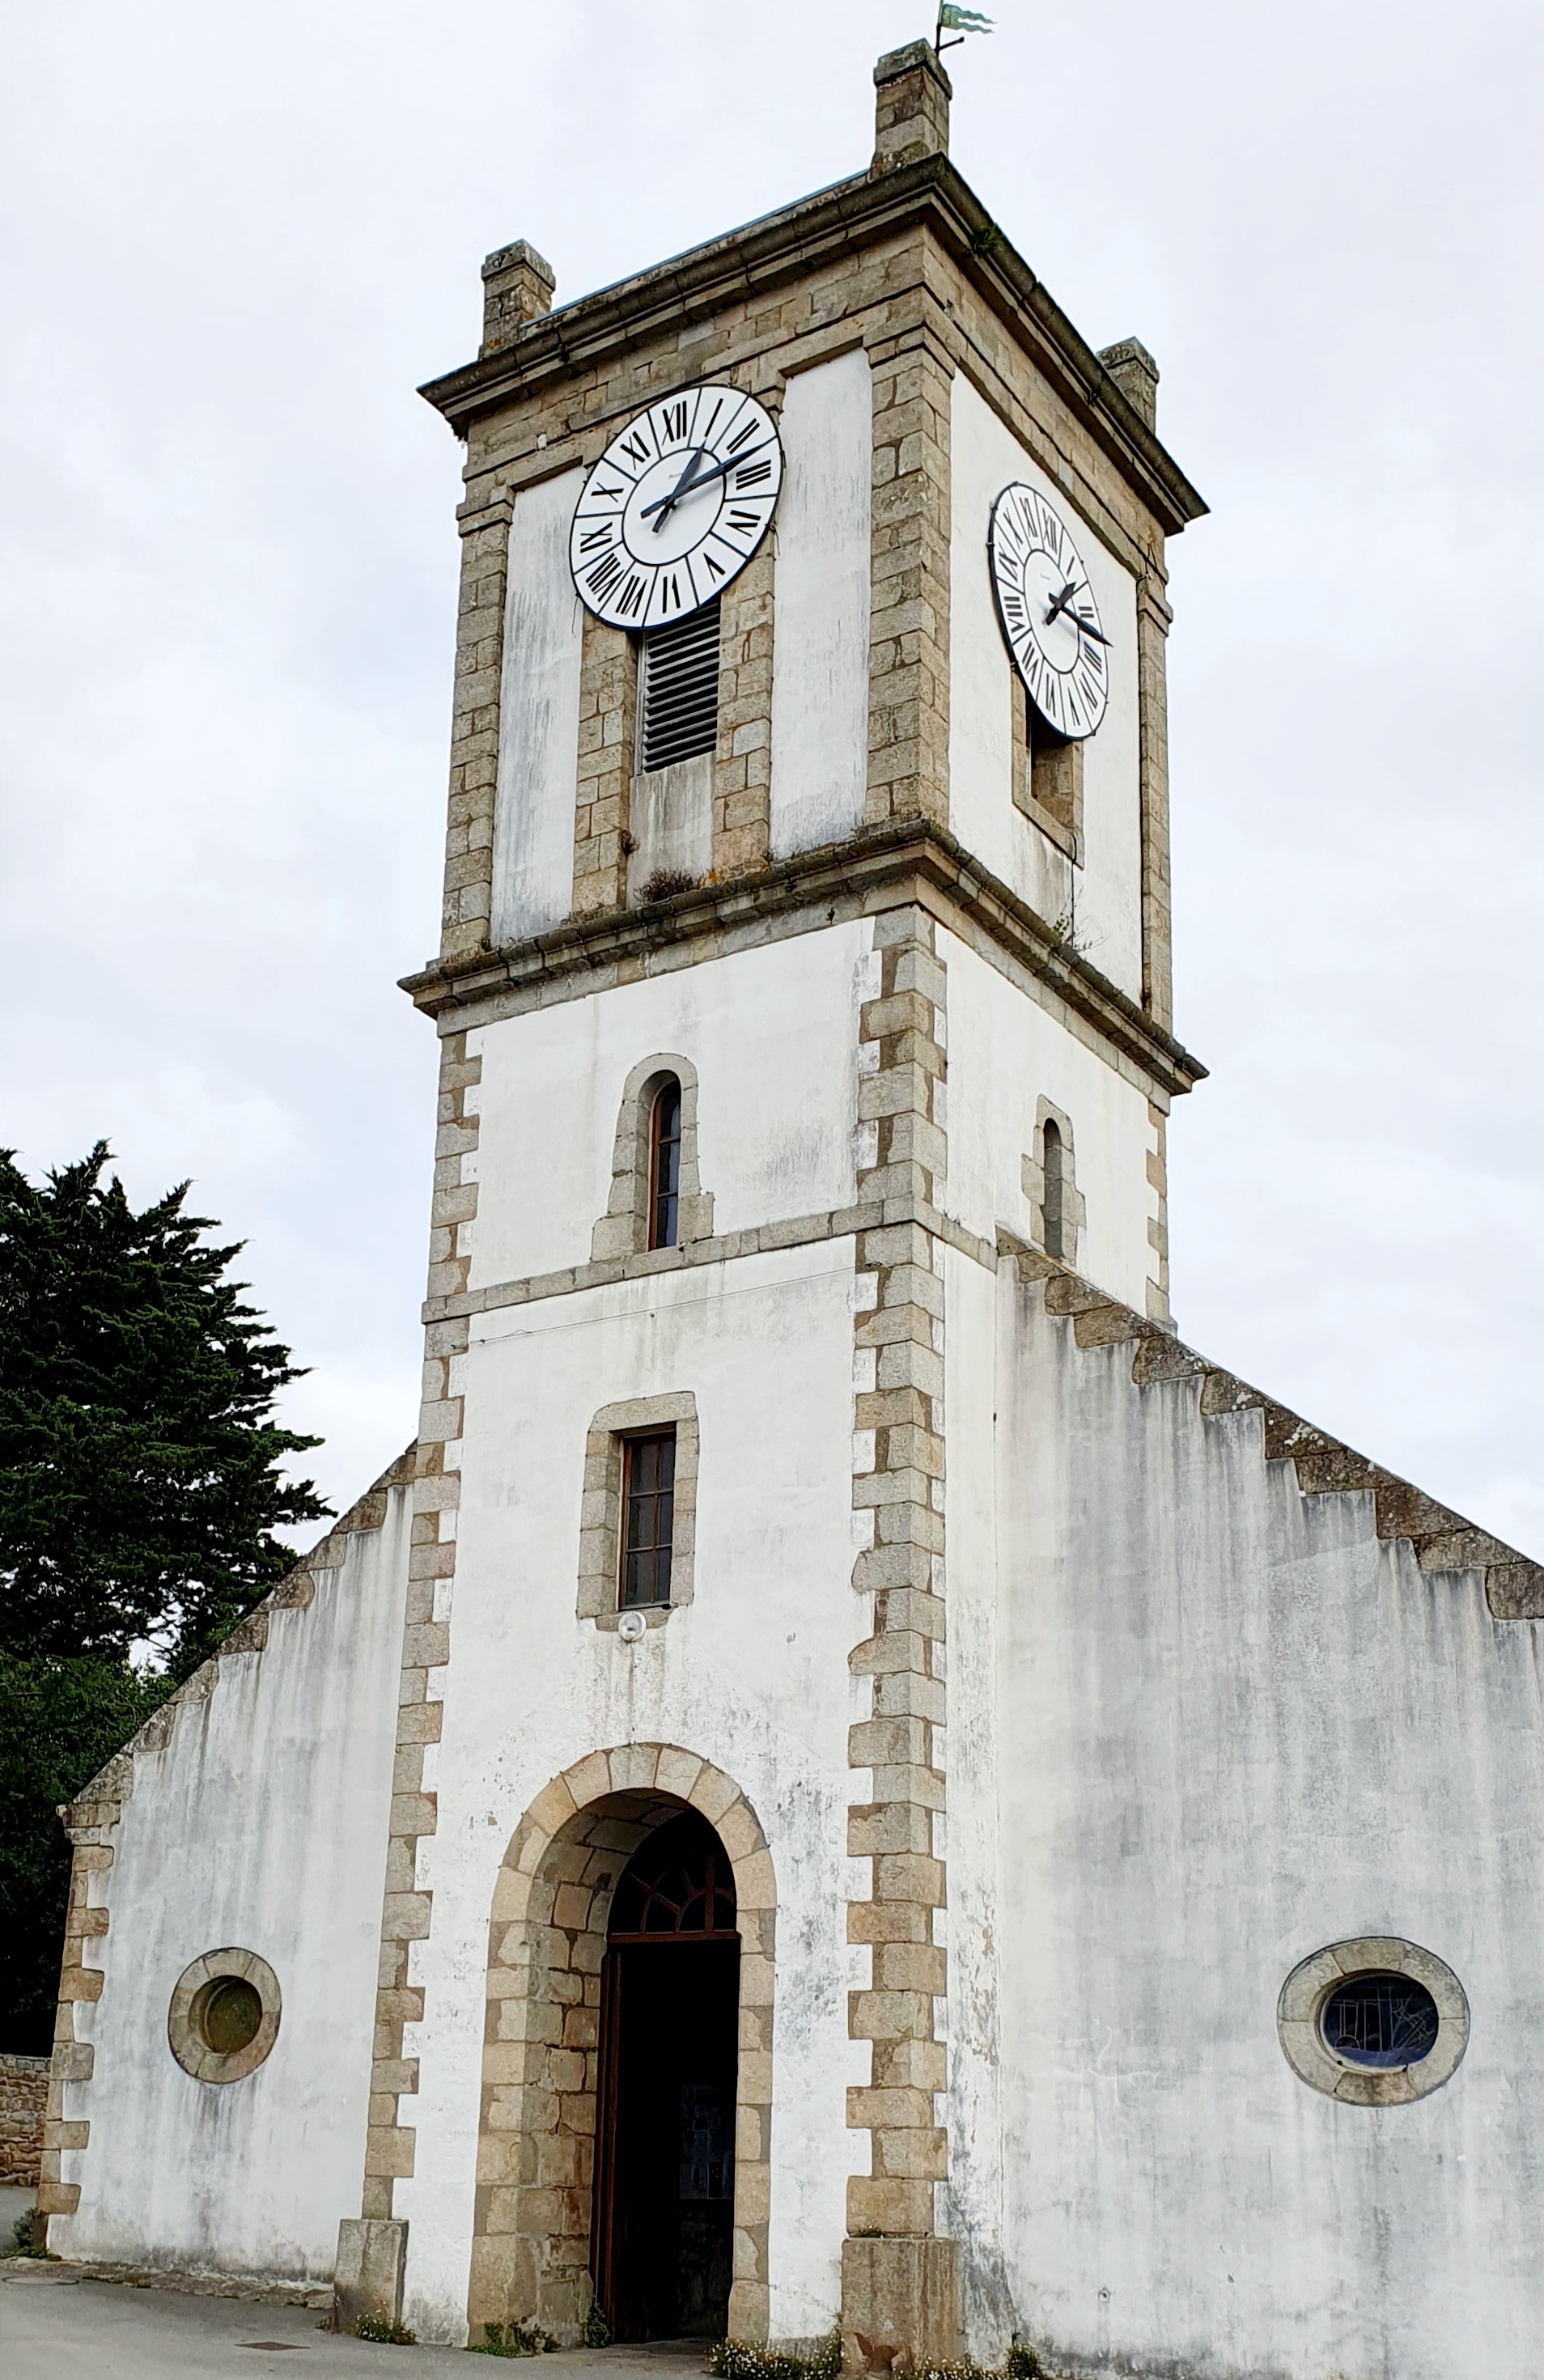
point(238, 233)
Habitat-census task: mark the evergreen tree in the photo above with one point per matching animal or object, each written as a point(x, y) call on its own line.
point(140, 1485)
point(60, 1722)
point(140, 1493)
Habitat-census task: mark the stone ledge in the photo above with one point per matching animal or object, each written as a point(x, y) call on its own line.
point(766, 1239)
point(900, 862)
point(1441, 1541)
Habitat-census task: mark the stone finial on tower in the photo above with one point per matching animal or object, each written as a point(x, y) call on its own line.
point(911, 112)
point(517, 286)
point(1135, 375)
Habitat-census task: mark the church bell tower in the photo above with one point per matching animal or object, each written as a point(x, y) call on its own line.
point(846, 1779)
point(806, 953)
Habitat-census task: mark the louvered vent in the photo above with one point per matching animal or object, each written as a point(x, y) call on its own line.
point(679, 701)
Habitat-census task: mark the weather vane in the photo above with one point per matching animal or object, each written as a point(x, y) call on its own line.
point(958, 21)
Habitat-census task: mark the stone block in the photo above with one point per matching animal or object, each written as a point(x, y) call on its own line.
point(905, 2290)
point(367, 2280)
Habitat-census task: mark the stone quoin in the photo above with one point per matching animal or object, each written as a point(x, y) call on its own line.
point(846, 1779)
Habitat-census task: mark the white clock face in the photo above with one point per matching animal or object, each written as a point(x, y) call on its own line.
point(676, 507)
point(1047, 611)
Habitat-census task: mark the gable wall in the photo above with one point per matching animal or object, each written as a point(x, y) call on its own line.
point(1234, 1725)
point(259, 1822)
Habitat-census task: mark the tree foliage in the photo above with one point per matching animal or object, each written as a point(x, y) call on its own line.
point(139, 1465)
point(140, 1493)
point(60, 1722)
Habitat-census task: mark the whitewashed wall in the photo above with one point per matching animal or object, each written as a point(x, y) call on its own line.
point(538, 717)
point(773, 1033)
point(970, 2206)
point(1234, 1728)
point(751, 1675)
point(820, 709)
point(260, 1826)
point(985, 458)
point(1005, 1054)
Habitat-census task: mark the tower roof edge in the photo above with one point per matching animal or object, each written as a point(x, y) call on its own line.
point(774, 248)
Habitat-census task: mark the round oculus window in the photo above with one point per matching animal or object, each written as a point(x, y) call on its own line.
point(227, 2012)
point(223, 2017)
point(1374, 2023)
point(1380, 2022)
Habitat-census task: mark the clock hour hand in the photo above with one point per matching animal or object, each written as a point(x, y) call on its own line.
point(688, 487)
point(667, 504)
point(1064, 603)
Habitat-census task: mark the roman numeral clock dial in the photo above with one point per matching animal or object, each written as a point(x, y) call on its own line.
point(1047, 611)
point(676, 507)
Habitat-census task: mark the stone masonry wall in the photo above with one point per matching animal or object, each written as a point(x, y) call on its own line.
point(898, 2280)
point(406, 1909)
point(23, 2103)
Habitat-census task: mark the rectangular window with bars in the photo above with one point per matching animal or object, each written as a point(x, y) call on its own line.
point(647, 1517)
point(678, 690)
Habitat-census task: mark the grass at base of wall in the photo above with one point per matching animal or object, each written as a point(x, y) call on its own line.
point(731, 2360)
point(386, 2333)
point(514, 2338)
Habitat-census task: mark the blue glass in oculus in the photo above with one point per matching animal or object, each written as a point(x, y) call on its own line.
point(1380, 2021)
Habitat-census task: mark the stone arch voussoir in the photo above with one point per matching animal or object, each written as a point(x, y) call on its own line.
point(546, 1941)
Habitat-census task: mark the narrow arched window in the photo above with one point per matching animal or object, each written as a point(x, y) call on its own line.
point(1054, 1161)
point(664, 1165)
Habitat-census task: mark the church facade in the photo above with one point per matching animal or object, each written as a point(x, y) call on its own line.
point(846, 1777)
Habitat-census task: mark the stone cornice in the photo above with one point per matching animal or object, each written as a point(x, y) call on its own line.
point(900, 861)
point(778, 248)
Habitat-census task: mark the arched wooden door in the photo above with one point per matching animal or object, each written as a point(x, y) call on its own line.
point(662, 2243)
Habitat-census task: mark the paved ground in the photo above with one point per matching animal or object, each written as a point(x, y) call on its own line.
point(57, 2326)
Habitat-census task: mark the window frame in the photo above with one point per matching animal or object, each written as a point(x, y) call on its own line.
point(660, 1543)
point(665, 1233)
point(602, 1524)
point(623, 1231)
point(1312, 1984)
point(1053, 1178)
point(1074, 1213)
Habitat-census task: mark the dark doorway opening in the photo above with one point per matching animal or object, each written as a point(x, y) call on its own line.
point(662, 2245)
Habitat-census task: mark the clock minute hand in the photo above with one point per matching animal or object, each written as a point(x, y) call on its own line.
point(667, 504)
point(689, 487)
point(1064, 603)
